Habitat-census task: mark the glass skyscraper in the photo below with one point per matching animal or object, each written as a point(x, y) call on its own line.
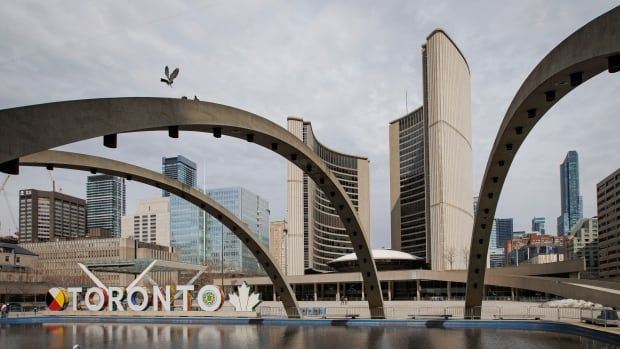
point(186, 219)
point(538, 224)
point(572, 202)
point(505, 228)
point(105, 202)
point(254, 212)
point(495, 256)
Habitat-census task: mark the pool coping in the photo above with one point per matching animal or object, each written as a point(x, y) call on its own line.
point(547, 326)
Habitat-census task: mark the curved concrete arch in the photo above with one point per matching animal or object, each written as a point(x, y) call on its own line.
point(584, 54)
point(30, 129)
point(75, 161)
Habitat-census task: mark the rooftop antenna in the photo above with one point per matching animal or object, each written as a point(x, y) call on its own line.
point(406, 103)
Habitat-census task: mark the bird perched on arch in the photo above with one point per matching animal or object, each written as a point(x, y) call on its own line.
point(169, 77)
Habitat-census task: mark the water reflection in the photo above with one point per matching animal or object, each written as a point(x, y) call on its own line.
point(135, 336)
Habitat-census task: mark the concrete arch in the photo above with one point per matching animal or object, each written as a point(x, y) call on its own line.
point(584, 54)
point(75, 161)
point(30, 129)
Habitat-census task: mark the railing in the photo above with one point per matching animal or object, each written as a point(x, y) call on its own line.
point(595, 316)
point(598, 316)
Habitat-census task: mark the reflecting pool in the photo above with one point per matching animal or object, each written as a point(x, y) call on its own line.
point(135, 336)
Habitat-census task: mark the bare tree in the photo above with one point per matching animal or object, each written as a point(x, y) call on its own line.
point(450, 257)
point(466, 256)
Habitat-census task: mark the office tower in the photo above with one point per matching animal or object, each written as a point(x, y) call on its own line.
point(504, 230)
point(495, 255)
point(431, 162)
point(278, 233)
point(572, 202)
point(254, 212)
point(538, 224)
point(50, 215)
point(582, 243)
point(150, 223)
point(316, 234)
point(187, 231)
point(105, 202)
point(608, 209)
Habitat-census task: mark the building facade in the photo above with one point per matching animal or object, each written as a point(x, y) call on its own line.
point(187, 227)
point(431, 162)
point(150, 223)
point(50, 215)
point(534, 248)
point(254, 212)
point(582, 243)
point(571, 200)
point(58, 260)
point(105, 200)
point(505, 229)
point(278, 233)
point(538, 224)
point(495, 255)
point(608, 208)
point(316, 234)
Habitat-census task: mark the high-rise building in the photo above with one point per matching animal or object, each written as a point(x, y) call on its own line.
point(316, 233)
point(582, 243)
point(505, 229)
point(608, 208)
point(50, 215)
point(572, 202)
point(150, 223)
point(431, 162)
point(105, 201)
point(254, 212)
point(186, 219)
point(278, 233)
point(495, 255)
point(538, 224)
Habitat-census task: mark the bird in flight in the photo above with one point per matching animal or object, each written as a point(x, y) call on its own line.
point(170, 77)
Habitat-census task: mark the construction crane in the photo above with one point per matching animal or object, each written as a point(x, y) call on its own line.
point(6, 199)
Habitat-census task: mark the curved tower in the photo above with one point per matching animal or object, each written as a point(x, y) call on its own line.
point(447, 101)
point(430, 162)
point(316, 234)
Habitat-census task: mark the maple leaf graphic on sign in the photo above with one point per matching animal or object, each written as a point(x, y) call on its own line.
point(242, 300)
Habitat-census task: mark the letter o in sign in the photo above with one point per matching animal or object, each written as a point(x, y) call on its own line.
point(210, 298)
point(95, 299)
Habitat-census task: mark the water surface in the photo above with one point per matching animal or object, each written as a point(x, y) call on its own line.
point(137, 336)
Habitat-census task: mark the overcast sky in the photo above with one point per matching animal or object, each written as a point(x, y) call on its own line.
point(342, 65)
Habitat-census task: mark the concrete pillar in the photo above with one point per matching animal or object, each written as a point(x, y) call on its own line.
point(417, 288)
point(390, 285)
point(449, 289)
point(315, 298)
point(484, 292)
point(274, 293)
point(512, 294)
point(516, 294)
point(337, 291)
point(363, 291)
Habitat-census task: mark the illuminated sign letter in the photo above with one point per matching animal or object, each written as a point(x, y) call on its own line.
point(159, 297)
point(90, 295)
point(132, 297)
point(185, 289)
point(74, 291)
point(210, 298)
point(116, 296)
